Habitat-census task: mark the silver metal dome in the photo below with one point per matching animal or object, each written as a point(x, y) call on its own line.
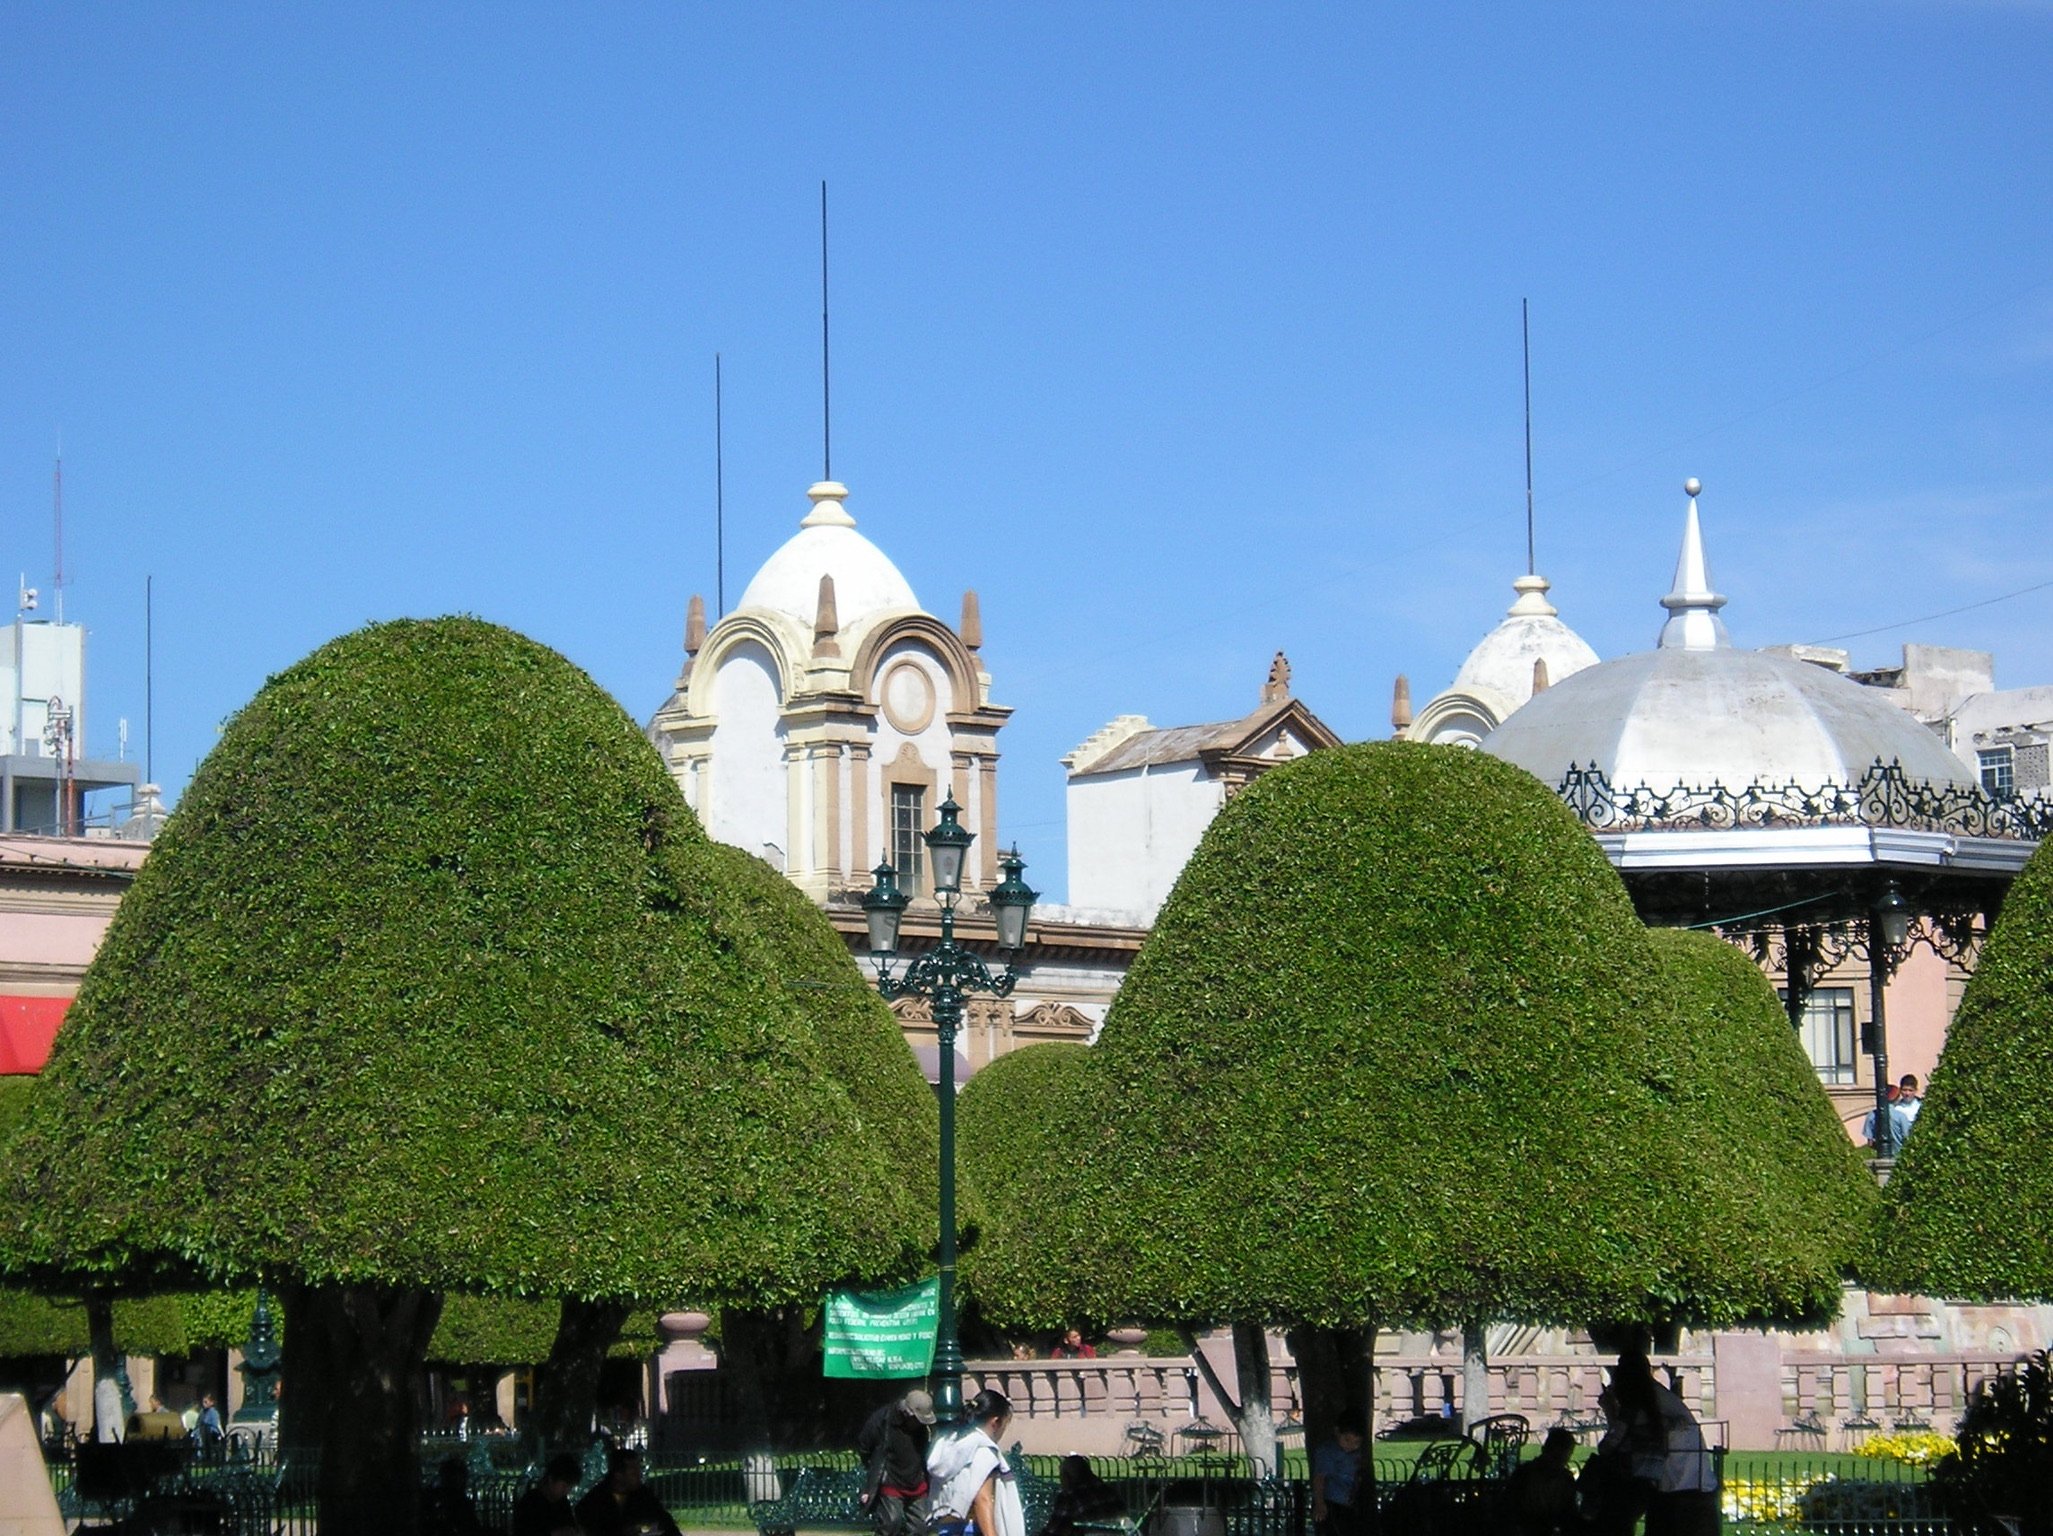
point(1698, 712)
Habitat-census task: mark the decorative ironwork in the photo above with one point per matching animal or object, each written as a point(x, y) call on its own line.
point(1805, 953)
point(1883, 796)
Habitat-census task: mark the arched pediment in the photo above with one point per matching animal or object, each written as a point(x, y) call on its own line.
point(774, 632)
point(923, 629)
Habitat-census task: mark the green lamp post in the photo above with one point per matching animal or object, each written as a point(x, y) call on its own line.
point(944, 975)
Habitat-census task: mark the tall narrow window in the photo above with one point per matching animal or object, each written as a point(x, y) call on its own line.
point(1998, 770)
point(908, 823)
point(1828, 1033)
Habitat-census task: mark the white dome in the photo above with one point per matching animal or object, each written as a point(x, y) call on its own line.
point(827, 544)
point(1697, 712)
point(1668, 718)
point(1502, 662)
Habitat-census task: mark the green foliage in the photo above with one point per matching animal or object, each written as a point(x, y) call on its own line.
point(1383, 1056)
point(493, 1330)
point(41, 1325)
point(221, 1319)
point(2002, 1462)
point(1787, 1204)
point(1968, 1207)
point(1022, 1125)
point(1399, 1049)
point(856, 1031)
point(433, 979)
point(33, 1324)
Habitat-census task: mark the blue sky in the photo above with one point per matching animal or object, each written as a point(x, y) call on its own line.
point(1183, 333)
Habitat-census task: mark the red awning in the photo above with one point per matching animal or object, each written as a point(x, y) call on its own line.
point(28, 1025)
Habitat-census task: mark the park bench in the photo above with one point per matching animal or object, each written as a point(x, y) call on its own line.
point(830, 1498)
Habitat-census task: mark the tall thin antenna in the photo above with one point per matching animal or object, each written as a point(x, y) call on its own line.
point(149, 679)
point(826, 368)
point(719, 500)
point(57, 504)
point(1525, 331)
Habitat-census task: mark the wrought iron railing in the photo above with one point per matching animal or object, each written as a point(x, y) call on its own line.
point(1884, 796)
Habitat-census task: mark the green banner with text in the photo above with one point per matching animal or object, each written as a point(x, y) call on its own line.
point(882, 1334)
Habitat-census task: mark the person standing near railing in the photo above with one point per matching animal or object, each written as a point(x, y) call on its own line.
point(1336, 1473)
point(975, 1493)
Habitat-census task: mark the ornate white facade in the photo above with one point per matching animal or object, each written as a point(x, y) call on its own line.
point(822, 721)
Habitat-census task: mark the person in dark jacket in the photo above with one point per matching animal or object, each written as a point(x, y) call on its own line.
point(620, 1503)
point(893, 1445)
point(544, 1510)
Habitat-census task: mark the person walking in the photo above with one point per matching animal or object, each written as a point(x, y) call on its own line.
point(893, 1444)
point(1669, 1457)
point(974, 1491)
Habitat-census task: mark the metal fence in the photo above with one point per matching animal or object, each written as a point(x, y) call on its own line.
point(253, 1495)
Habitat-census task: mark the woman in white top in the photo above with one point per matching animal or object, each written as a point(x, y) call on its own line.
point(974, 1490)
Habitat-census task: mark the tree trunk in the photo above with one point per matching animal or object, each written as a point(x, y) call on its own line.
point(1256, 1420)
point(1332, 1371)
point(567, 1386)
point(354, 1357)
point(1475, 1373)
point(110, 1406)
point(1254, 1416)
point(777, 1394)
point(302, 1369)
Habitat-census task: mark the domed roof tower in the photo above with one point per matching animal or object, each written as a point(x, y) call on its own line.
point(1696, 711)
point(1526, 653)
point(821, 722)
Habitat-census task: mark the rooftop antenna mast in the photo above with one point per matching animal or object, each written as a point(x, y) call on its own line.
point(149, 679)
point(826, 368)
point(57, 505)
point(719, 501)
point(1525, 328)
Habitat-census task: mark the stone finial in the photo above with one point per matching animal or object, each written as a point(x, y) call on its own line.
point(972, 627)
point(826, 622)
point(1277, 688)
point(694, 625)
point(1400, 706)
point(1539, 674)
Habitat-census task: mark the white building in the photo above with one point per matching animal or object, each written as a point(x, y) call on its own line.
point(47, 778)
point(822, 722)
point(1140, 797)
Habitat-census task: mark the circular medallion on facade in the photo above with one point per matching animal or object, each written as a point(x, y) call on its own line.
point(908, 698)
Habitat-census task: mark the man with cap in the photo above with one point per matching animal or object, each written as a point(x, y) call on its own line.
point(893, 1446)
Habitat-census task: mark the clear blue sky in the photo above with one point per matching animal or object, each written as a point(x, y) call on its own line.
point(1182, 333)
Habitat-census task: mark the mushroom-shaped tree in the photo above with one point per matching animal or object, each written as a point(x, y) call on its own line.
point(1398, 1051)
point(1783, 1206)
point(433, 983)
point(1970, 1202)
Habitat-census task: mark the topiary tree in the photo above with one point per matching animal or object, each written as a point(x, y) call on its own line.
point(1397, 1050)
point(1785, 1207)
point(774, 1353)
point(432, 982)
point(1969, 1204)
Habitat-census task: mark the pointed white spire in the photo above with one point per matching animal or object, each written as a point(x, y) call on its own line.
point(828, 512)
point(1693, 622)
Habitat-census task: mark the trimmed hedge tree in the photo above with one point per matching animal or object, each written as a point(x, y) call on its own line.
point(1787, 1205)
point(1969, 1207)
point(1398, 1050)
point(432, 982)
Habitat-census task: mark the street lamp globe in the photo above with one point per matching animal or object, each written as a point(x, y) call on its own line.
point(1892, 916)
point(947, 844)
point(1012, 901)
point(883, 910)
